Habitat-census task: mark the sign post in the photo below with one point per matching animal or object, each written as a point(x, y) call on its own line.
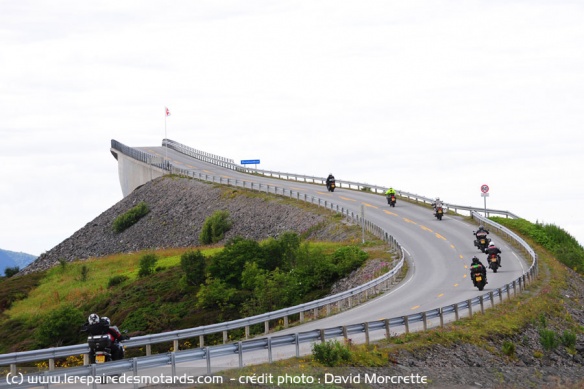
point(485, 194)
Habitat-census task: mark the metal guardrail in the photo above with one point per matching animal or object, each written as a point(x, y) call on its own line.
point(172, 358)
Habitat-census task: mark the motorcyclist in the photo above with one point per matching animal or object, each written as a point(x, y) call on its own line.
point(477, 267)
point(117, 337)
point(437, 203)
point(494, 250)
point(481, 232)
point(102, 326)
point(390, 192)
point(330, 179)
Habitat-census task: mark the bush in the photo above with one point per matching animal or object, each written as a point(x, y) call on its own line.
point(568, 339)
point(193, 265)
point(60, 327)
point(131, 217)
point(331, 353)
point(147, 265)
point(548, 339)
point(509, 348)
point(215, 227)
point(348, 258)
point(10, 271)
point(116, 280)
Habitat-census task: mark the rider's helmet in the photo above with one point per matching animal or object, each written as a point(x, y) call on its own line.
point(475, 260)
point(93, 318)
point(437, 198)
point(491, 244)
point(481, 227)
point(106, 320)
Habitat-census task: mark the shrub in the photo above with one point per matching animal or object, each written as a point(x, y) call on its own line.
point(84, 273)
point(348, 258)
point(548, 339)
point(508, 348)
point(60, 327)
point(215, 227)
point(10, 271)
point(193, 265)
point(147, 265)
point(116, 280)
point(131, 217)
point(331, 353)
point(568, 339)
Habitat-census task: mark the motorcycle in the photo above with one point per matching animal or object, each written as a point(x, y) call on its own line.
point(391, 200)
point(494, 260)
point(478, 280)
point(330, 185)
point(439, 213)
point(482, 242)
point(100, 348)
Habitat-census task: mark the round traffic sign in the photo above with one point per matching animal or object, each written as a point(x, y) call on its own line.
point(485, 188)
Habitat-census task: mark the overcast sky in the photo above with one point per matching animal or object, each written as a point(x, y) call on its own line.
point(431, 97)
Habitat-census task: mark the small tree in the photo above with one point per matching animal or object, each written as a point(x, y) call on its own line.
point(193, 265)
point(10, 271)
point(147, 265)
point(60, 327)
point(215, 227)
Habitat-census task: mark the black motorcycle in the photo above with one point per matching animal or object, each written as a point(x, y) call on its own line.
point(330, 185)
point(482, 242)
point(439, 213)
point(478, 280)
point(494, 260)
point(101, 348)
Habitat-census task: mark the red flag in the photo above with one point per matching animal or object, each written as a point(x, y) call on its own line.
point(167, 111)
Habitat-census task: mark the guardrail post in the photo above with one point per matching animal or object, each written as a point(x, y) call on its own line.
point(13, 369)
point(93, 374)
point(345, 335)
point(387, 333)
point(240, 352)
point(508, 292)
point(225, 337)
point(481, 300)
point(270, 350)
point(514, 289)
point(406, 324)
point(456, 312)
point(367, 333)
point(85, 360)
point(301, 316)
point(469, 308)
point(175, 344)
point(322, 336)
point(201, 341)
point(441, 315)
point(135, 370)
point(51, 363)
point(266, 327)
point(492, 298)
point(173, 363)
point(246, 332)
point(285, 321)
point(328, 309)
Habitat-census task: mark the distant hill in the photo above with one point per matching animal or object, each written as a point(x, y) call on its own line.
point(12, 259)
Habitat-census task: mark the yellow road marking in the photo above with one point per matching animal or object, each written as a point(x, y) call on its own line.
point(452, 246)
point(389, 212)
point(460, 256)
point(409, 221)
point(416, 307)
point(440, 236)
point(425, 228)
point(346, 198)
point(369, 205)
point(455, 285)
point(441, 294)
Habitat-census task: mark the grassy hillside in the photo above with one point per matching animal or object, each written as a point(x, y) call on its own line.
point(161, 301)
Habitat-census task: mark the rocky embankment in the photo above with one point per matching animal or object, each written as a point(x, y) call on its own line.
point(178, 209)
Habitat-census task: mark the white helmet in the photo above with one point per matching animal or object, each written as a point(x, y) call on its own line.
point(491, 244)
point(93, 318)
point(106, 320)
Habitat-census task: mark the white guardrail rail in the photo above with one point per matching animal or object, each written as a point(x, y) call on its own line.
point(318, 308)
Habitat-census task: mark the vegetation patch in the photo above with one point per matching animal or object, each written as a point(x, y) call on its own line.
point(131, 217)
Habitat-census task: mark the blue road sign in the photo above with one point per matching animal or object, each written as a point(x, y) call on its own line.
point(250, 161)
